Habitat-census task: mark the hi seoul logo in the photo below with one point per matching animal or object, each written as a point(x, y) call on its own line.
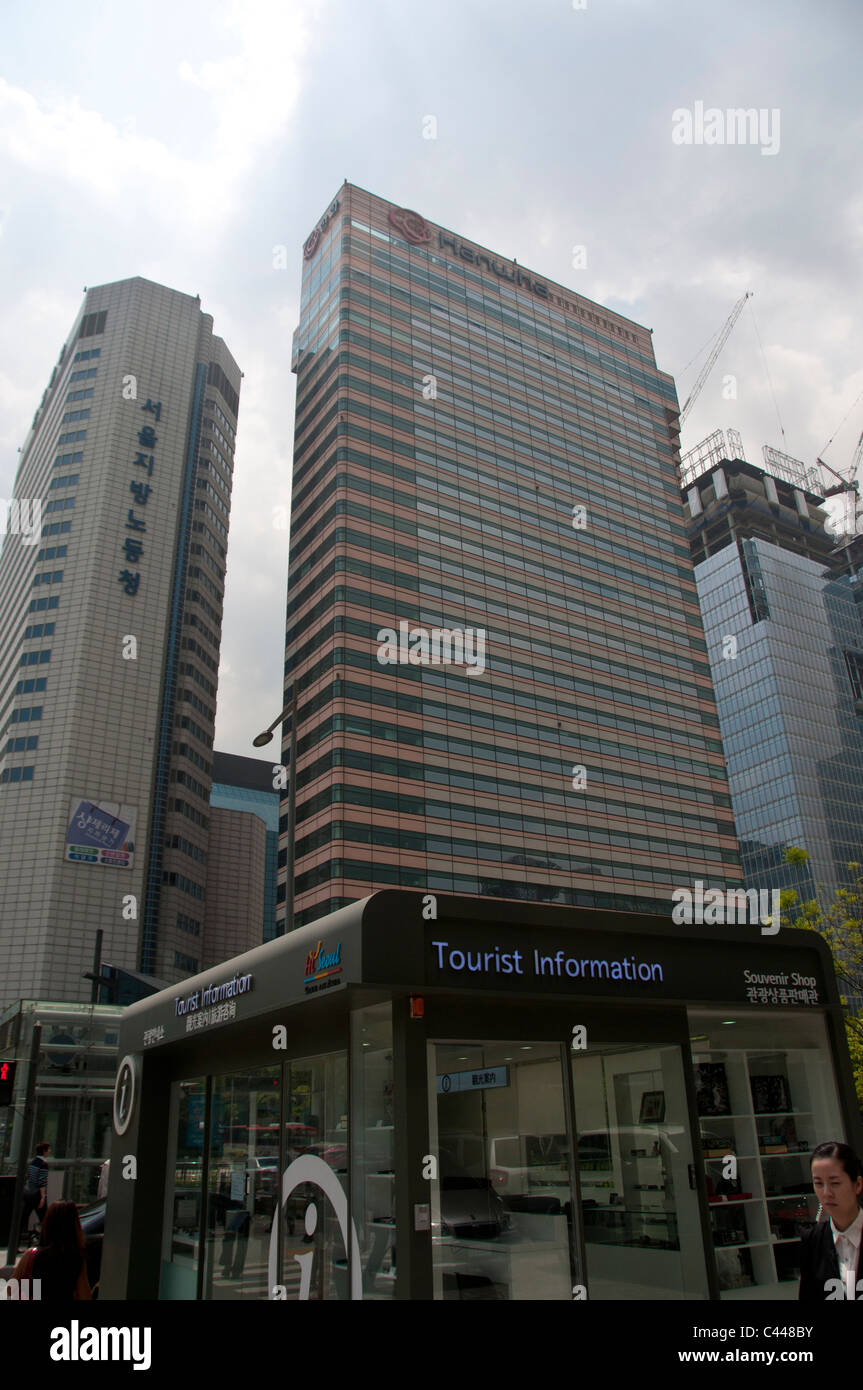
point(438, 646)
point(736, 126)
point(732, 906)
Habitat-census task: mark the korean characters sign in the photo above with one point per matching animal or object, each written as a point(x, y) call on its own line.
point(101, 832)
point(140, 486)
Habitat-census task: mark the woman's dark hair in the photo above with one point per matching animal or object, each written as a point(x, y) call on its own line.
point(62, 1243)
point(43, 1147)
point(843, 1153)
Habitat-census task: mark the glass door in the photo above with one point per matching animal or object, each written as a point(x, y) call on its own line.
point(502, 1193)
point(639, 1206)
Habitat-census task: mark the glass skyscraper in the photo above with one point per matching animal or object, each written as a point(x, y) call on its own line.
point(496, 676)
point(110, 628)
point(786, 644)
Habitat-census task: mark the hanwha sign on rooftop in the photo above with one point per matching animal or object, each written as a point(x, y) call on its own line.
point(411, 226)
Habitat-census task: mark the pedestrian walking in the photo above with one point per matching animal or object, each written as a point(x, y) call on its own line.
point(35, 1187)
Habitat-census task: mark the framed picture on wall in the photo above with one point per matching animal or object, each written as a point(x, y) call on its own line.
point(711, 1089)
point(652, 1106)
point(770, 1094)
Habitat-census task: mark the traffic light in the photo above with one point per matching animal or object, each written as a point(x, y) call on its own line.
point(7, 1082)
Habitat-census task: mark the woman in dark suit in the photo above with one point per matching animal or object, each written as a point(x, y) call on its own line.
point(831, 1261)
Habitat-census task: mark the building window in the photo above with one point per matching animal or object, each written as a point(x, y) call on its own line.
point(36, 658)
point(38, 605)
point(92, 324)
point(854, 662)
point(22, 745)
point(71, 480)
point(26, 715)
point(31, 686)
point(188, 924)
point(16, 774)
point(72, 415)
point(89, 354)
point(189, 963)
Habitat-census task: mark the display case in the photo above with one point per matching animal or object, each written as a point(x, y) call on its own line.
point(761, 1109)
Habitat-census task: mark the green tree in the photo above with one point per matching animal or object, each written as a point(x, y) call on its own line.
point(840, 922)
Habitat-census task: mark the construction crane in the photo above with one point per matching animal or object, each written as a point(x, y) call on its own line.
point(724, 334)
point(849, 485)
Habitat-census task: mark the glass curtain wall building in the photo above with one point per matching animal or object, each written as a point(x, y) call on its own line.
point(110, 627)
point(496, 677)
point(786, 644)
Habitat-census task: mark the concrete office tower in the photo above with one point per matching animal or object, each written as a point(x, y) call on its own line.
point(241, 872)
point(110, 624)
point(786, 647)
point(483, 454)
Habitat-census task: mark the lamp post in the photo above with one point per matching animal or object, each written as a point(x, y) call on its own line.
point(290, 713)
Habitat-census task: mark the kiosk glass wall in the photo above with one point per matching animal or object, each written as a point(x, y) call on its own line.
point(242, 1182)
point(314, 1259)
point(502, 1199)
point(765, 1097)
point(183, 1190)
point(642, 1235)
point(373, 1188)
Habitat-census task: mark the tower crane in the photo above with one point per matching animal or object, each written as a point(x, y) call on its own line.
point(724, 334)
point(849, 485)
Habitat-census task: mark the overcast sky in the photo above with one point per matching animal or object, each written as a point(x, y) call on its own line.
point(182, 141)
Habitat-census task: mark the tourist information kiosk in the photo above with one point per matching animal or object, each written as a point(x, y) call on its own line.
point(448, 1098)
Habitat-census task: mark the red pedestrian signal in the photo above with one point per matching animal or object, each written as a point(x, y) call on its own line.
point(7, 1082)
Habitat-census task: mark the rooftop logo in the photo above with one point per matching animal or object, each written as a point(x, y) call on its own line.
point(311, 244)
point(438, 646)
point(411, 226)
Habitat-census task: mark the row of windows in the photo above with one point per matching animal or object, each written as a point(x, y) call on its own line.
point(73, 437)
point(191, 698)
point(83, 395)
point(71, 415)
point(48, 577)
point(186, 723)
point(192, 620)
point(187, 780)
point(38, 605)
point(22, 745)
point(515, 756)
point(204, 507)
point(220, 415)
point(35, 658)
point(203, 530)
point(88, 355)
point(208, 467)
point(28, 715)
point(39, 630)
point(190, 645)
point(193, 756)
point(188, 924)
point(52, 552)
point(70, 480)
point(201, 680)
point(66, 460)
point(186, 885)
point(93, 324)
point(16, 774)
point(194, 597)
point(196, 573)
point(505, 787)
point(454, 713)
point(206, 486)
point(60, 504)
point(85, 374)
point(186, 847)
point(214, 428)
point(183, 962)
point(58, 528)
point(191, 813)
point(462, 812)
point(29, 687)
point(555, 860)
